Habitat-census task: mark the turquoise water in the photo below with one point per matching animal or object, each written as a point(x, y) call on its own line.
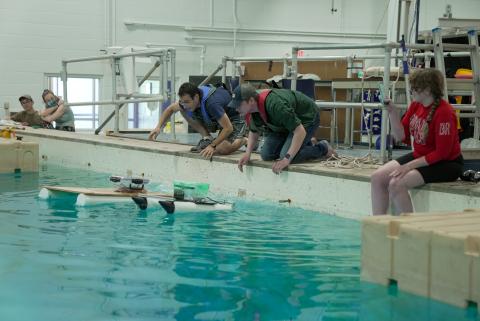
point(115, 262)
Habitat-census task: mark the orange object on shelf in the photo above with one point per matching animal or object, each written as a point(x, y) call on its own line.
point(463, 73)
point(7, 133)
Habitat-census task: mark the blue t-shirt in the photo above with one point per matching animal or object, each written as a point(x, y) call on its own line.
point(217, 105)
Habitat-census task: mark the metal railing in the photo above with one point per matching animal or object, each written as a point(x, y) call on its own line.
point(165, 58)
point(473, 52)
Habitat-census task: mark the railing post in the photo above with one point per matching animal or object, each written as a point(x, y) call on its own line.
point(172, 88)
point(294, 68)
point(349, 111)
point(116, 123)
point(65, 81)
point(224, 70)
point(386, 86)
point(475, 61)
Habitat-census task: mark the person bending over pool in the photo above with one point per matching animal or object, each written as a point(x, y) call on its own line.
point(206, 109)
point(288, 120)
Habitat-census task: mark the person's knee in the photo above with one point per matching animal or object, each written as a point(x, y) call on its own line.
point(225, 148)
point(396, 186)
point(379, 177)
point(268, 156)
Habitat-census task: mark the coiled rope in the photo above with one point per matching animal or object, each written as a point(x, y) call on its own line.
point(337, 161)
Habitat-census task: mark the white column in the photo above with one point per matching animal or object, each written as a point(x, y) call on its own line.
point(392, 20)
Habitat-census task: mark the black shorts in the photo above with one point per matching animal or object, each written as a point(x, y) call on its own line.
point(443, 171)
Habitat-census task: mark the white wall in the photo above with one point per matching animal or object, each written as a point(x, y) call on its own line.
point(431, 10)
point(36, 35)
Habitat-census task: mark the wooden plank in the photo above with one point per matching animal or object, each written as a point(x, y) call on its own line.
point(102, 191)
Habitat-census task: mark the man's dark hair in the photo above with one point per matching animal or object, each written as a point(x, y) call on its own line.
point(190, 89)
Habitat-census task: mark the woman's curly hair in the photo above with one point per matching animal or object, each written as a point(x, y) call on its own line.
point(433, 80)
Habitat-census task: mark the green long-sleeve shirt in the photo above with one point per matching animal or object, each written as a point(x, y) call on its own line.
point(286, 109)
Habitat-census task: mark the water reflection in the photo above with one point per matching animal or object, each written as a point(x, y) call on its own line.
point(18, 182)
point(259, 262)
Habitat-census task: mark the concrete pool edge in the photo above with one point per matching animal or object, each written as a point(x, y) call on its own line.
point(343, 192)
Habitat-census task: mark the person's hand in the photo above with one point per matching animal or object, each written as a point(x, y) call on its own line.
point(208, 152)
point(48, 119)
point(154, 133)
point(387, 102)
point(400, 171)
point(278, 166)
point(243, 161)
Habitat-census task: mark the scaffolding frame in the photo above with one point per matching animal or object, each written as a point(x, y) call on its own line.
point(287, 73)
point(470, 49)
point(165, 59)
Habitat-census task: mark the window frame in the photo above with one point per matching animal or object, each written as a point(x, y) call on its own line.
point(94, 116)
point(135, 119)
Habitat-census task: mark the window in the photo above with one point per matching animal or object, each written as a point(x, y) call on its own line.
point(80, 89)
point(145, 115)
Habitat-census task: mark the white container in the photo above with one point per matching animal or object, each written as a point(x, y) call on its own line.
point(18, 156)
point(6, 110)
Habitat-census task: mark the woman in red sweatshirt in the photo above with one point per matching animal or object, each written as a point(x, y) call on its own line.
point(436, 157)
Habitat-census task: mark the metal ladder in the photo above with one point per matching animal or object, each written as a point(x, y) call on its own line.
point(475, 63)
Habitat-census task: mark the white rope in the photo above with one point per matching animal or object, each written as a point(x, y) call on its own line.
point(336, 161)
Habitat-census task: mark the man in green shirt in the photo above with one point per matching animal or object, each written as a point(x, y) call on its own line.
point(29, 116)
point(288, 120)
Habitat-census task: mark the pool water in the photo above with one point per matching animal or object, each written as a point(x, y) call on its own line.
point(262, 261)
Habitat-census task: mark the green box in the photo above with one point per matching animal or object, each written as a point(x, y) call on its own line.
point(192, 189)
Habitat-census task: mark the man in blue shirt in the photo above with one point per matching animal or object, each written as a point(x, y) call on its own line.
point(206, 110)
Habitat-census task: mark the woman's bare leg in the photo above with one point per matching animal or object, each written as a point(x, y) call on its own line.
point(399, 191)
point(380, 182)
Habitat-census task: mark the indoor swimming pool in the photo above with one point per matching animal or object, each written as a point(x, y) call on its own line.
point(262, 261)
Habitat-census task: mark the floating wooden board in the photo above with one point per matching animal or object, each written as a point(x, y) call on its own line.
point(101, 191)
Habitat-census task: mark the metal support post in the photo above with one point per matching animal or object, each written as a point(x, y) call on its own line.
point(438, 55)
point(65, 81)
point(349, 111)
point(202, 60)
point(161, 89)
point(172, 53)
point(475, 61)
point(294, 68)
point(406, 71)
point(165, 77)
point(224, 70)
point(116, 123)
point(285, 69)
point(333, 122)
point(428, 60)
point(386, 86)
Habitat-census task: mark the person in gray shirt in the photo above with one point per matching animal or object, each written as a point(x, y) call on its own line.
point(56, 111)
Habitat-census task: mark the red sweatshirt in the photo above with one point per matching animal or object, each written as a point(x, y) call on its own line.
point(442, 141)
